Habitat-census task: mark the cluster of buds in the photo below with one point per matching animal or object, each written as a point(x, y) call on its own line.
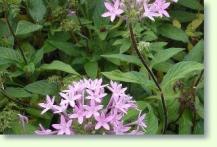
point(137, 8)
point(86, 108)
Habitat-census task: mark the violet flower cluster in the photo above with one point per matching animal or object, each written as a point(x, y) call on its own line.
point(86, 108)
point(142, 8)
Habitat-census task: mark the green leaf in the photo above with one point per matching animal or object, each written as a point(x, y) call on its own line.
point(130, 77)
point(169, 31)
point(126, 44)
point(66, 47)
point(182, 16)
point(91, 69)
point(180, 70)
point(17, 92)
point(42, 87)
point(152, 121)
point(199, 107)
point(37, 9)
point(199, 127)
point(38, 56)
point(193, 4)
point(59, 65)
point(197, 52)
point(26, 27)
point(10, 55)
point(185, 123)
point(124, 58)
point(164, 55)
point(99, 9)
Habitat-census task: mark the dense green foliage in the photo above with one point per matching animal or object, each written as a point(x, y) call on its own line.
point(49, 49)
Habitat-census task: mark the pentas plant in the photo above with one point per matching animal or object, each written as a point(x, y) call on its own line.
point(137, 8)
point(86, 108)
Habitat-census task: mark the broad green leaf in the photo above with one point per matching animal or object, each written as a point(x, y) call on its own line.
point(164, 55)
point(91, 69)
point(59, 65)
point(126, 44)
point(196, 53)
point(193, 4)
point(36, 9)
point(98, 11)
point(199, 127)
point(38, 56)
point(66, 47)
point(42, 87)
point(124, 58)
point(10, 55)
point(185, 123)
point(130, 77)
point(169, 31)
point(17, 92)
point(25, 27)
point(179, 71)
point(156, 46)
point(173, 107)
point(152, 121)
point(183, 16)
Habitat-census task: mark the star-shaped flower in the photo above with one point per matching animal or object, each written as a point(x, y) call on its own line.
point(160, 7)
point(92, 109)
point(78, 113)
point(48, 105)
point(70, 97)
point(64, 127)
point(113, 9)
point(103, 121)
point(149, 12)
point(95, 95)
point(141, 121)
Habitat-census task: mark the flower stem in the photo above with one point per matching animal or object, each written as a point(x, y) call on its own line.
point(12, 32)
point(133, 40)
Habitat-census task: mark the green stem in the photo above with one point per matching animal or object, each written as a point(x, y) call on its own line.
point(133, 40)
point(12, 31)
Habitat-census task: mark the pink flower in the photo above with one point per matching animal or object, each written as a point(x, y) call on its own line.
point(23, 119)
point(103, 121)
point(89, 108)
point(48, 105)
point(116, 89)
point(148, 12)
point(160, 7)
point(44, 131)
point(113, 9)
point(141, 121)
point(93, 109)
point(78, 113)
point(121, 129)
point(64, 127)
point(62, 108)
point(70, 96)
